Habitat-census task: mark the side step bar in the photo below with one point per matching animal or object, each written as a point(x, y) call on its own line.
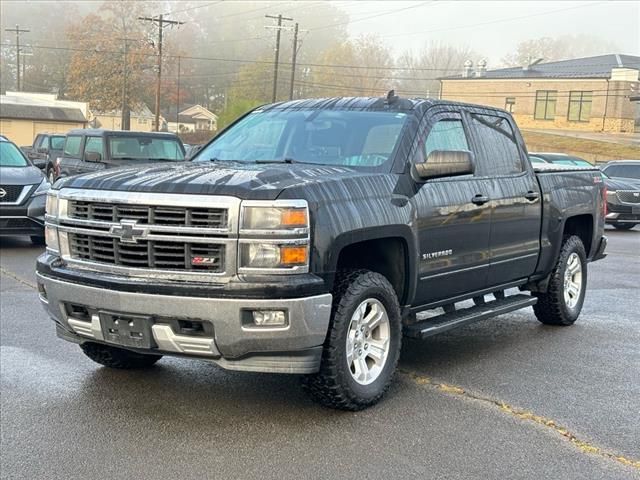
point(458, 318)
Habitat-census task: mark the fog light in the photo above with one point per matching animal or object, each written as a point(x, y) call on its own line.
point(269, 318)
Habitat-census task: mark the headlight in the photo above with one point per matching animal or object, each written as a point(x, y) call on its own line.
point(273, 255)
point(280, 215)
point(52, 204)
point(51, 238)
point(42, 188)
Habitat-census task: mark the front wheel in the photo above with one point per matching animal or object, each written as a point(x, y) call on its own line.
point(51, 175)
point(562, 302)
point(363, 343)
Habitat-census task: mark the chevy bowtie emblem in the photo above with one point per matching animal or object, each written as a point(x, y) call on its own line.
point(128, 232)
point(3, 193)
point(635, 194)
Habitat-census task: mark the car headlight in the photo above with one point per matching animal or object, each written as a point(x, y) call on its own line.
point(273, 255)
point(42, 188)
point(281, 216)
point(51, 238)
point(274, 236)
point(52, 204)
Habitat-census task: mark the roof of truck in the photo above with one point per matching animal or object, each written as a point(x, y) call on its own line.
point(396, 104)
point(100, 132)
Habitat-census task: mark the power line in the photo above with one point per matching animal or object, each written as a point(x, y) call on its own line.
point(194, 8)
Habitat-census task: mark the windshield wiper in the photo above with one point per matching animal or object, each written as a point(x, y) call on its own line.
point(279, 160)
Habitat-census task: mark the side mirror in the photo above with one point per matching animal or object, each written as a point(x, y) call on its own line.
point(445, 163)
point(43, 150)
point(92, 157)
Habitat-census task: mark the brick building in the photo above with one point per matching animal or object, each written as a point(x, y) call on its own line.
point(590, 94)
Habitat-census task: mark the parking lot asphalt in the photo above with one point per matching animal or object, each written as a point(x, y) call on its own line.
point(504, 398)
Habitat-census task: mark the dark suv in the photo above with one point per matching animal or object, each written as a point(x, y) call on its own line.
point(46, 148)
point(92, 150)
point(622, 178)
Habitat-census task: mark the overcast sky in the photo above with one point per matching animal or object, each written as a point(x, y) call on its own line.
point(495, 27)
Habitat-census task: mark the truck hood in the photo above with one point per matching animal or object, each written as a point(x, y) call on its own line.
point(619, 183)
point(250, 181)
point(20, 175)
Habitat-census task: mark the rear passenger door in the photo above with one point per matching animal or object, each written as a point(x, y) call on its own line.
point(453, 225)
point(514, 243)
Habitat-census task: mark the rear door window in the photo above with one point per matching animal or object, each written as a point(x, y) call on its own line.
point(72, 146)
point(497, 148)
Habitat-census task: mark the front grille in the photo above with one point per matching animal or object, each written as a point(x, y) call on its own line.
point(150, 214)
point(629, 196)
point(161, 255)
point(11, 193)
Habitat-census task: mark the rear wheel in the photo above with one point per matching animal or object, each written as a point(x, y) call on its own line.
point(562, 302)
point(363, 343)
point(624, 226)
point(114, 357)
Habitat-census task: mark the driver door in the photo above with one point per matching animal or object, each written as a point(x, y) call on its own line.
point(453, 226)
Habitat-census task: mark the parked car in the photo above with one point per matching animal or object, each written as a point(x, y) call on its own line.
point(91, 150)
point(46, 148)
point(622, 179)
point(558, 159)
point(622, 169)
point(307, 236)
point(23, 189)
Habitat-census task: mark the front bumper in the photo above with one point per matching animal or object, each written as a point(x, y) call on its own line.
point(622, 213)
point(226, 339)
point(25, 219)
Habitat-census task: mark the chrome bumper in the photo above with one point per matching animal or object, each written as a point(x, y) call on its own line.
point(295, 348)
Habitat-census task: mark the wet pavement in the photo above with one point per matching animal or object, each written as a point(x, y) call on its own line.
point(505, 398)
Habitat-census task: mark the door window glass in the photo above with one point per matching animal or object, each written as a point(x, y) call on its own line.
point(94, 145)
point(72, 146)
point(498, 152)
point(446, 135)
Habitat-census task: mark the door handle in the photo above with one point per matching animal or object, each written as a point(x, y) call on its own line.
point(532, 196)
point(480, 199)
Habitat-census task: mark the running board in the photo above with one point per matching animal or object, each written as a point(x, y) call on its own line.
point(449, 321)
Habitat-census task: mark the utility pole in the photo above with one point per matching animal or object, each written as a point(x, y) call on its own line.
point(278, 28)
point(125, 113)
point(178, 100)
point(17, 31)
point(294, 54)
point(161, 23)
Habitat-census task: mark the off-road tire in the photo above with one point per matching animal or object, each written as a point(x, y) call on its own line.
point(114, 357)
point(333, 386)
point(623, 226)
point(37, 240)
point(552, 308)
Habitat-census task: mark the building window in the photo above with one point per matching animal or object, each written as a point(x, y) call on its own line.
point(579, 106)
point(509, 104)
point(545, 108)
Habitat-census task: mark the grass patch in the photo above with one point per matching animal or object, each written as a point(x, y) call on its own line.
point(592, 150)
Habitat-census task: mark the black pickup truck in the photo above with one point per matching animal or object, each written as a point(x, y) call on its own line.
point(93, 150)
point(46, 148)
point(307, 237)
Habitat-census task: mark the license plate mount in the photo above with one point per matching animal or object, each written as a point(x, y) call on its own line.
point(127, 330)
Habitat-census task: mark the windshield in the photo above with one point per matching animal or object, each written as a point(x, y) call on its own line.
point(626, 171)
point(145, 148)
point(57, 142)
point(10, 156)
point(323, 137)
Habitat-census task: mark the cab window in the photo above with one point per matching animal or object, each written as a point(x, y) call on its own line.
point(72, 146)
point(94, 145)
point(498, 152)
point(446, 134)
